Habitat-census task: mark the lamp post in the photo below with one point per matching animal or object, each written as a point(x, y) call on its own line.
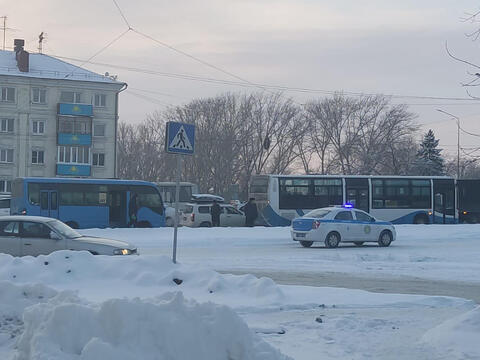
point(458, 139)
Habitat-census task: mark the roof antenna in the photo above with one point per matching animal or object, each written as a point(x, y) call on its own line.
point(40, 42)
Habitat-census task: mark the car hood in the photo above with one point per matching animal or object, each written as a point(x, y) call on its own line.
point(118, 244)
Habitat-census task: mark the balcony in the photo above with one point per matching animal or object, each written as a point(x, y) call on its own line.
point(75, 109)
point(74, 139)
point(73, 169)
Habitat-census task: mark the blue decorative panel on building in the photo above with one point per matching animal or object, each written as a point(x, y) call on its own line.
point(73, 169)
point(75, 109)
point(74, 139)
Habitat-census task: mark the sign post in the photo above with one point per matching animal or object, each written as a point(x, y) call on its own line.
point(179, 140)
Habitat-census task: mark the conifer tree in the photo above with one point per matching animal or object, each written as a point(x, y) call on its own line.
point(429, 160)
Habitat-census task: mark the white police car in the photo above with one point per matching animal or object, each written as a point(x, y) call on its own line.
point(333, 225)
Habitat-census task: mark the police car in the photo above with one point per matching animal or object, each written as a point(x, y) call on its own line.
point(333, 225)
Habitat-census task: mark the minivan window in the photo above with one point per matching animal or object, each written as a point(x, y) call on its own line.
point(204, 209)
point(188, 209)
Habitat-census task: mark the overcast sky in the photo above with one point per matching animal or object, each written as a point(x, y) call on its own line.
point(370, 46)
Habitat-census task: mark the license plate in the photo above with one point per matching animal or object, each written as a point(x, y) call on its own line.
point(302, 235)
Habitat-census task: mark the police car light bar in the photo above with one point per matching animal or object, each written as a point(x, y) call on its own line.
point(348, 205)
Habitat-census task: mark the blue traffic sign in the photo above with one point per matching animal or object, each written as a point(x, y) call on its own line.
point(180, 138)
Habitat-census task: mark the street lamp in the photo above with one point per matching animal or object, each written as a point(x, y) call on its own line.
point(458, 139)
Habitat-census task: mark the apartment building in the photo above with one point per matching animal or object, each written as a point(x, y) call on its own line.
point(56, 119)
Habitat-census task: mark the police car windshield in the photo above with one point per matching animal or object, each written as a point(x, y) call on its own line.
point(317, 213)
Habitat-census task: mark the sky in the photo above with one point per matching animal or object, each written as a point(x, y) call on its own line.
point(369, 46)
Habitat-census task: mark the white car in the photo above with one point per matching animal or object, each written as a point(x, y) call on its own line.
point(35, 235)
point(333, 225)
point(198, 215)
point(4, 206)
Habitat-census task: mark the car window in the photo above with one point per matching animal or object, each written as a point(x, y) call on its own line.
point(64, 229)
point(231, 210)
point(35, 230)
point(204, 209)
point(361, 216)
point(188, 209)
point(8, 228)
point(317, 213)
point(5, 204)
point(344, 215)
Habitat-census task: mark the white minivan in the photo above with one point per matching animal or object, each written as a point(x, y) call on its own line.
point(198, 215)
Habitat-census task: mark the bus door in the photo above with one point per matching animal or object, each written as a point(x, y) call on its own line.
point(117, 204)
point(357, 193)
point(443, 201)
point(49, 203)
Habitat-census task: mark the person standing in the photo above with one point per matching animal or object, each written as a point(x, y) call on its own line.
point(251, 212)
point(132, 210)
point(215, 211)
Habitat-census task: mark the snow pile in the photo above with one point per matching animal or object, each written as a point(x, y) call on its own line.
point(163, 328)
point(457, 338)
point(102, 277)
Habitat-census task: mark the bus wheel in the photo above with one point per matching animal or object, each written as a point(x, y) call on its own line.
point(332, 240)
point(421, 219)
point(385, 238)
point(306, 244)
point(72, 224)
point(358, 243)
point(205, 224)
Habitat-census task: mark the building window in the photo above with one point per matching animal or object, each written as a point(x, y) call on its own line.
point(6, 155)
point(38, 127)
point(37, 157)
point(98, 159)
point(71, 97)
point(5, 185)
point(8, 94)
point(39, 95)
point(99, 130)
point(73, 155)
point(74, 125)
point(100, 100)
point(6, 125)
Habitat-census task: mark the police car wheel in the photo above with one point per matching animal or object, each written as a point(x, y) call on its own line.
point(358, 243)
point(306, 244)
point(385, 238)
point(332, 240)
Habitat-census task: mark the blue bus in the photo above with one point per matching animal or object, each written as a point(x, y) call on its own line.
point(88, 203)
point(399, 199)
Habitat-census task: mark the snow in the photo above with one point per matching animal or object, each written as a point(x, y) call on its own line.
point(48, 67)
point(439, 252)
point(73, 305)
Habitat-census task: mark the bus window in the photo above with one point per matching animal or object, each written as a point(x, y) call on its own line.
point(150, 198)
point(34, 193)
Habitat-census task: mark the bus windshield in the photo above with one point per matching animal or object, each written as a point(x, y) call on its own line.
point(64, 230)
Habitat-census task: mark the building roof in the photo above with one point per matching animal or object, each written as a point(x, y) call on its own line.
point(48, 67)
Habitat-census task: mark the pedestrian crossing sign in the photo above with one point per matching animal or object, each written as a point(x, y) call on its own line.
point(180, 138)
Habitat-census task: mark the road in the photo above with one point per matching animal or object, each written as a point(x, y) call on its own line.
point(393, 285)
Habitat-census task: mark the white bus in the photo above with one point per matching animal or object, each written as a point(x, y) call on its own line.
point(399, 199)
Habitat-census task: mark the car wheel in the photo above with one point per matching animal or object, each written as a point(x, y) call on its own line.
point(385, 238)
point(332, 240)
point(206, 224)
point(169, 222)
point(358, 243)
point(306, 244)
point(72, 224)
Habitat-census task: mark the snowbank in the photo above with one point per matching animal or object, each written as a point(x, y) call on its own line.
point(457, 338)
point(168, 327)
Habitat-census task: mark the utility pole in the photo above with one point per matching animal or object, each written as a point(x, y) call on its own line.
point(4, 28)
point(458, 139)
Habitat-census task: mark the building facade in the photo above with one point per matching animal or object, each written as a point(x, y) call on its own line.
point(56, 119)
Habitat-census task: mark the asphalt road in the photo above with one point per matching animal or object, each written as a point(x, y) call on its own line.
point(393, 285)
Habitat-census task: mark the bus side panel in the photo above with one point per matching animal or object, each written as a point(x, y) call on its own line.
point(146, 214)
point(84, 216)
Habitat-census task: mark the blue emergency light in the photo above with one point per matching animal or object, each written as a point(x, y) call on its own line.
point(348, 205)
